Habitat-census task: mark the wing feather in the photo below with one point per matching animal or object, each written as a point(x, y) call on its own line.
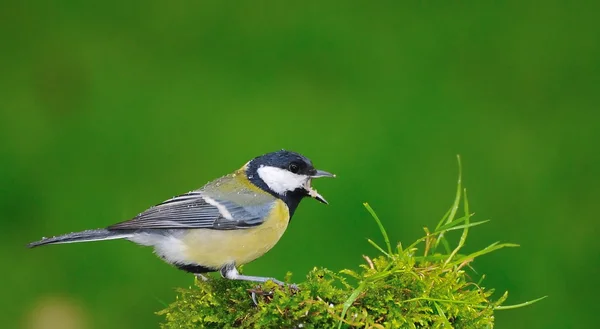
point(191, 210)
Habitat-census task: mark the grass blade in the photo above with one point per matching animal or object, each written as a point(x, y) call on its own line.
point(458, 191)
point(459, 227)
point(378, 247)
point(493, 247)
point(463, 237)
point(454, 208)
point(510, 307)
point(351, 300)
point(441, 222)
point(381, 228)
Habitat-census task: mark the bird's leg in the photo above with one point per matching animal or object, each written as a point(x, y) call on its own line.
point(230, 272)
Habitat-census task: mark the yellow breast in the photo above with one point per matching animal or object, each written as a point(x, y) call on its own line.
point(215, 248)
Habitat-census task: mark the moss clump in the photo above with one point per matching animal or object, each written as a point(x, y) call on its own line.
point(412, 287)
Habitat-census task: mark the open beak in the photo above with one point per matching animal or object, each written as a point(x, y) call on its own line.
point(311, 191)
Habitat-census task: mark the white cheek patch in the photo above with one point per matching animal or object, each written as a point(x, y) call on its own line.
point(280, 180)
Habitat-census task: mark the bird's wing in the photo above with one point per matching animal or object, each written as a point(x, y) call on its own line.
point(195, 209)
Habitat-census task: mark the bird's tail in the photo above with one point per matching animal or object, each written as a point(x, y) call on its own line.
point(84, 236)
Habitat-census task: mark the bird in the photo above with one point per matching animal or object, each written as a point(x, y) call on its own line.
point(228, 222)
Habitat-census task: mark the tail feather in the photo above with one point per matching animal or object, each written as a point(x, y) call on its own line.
point(84, 236)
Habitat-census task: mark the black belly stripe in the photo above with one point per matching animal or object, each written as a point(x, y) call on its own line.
point(193, 268)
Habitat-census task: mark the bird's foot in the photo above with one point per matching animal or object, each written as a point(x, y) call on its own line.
point(282, 284)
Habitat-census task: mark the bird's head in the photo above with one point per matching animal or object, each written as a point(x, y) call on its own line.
point(285, 174)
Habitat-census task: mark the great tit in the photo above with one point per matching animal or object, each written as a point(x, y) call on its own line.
point(228, 222)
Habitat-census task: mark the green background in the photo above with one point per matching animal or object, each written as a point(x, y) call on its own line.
point(109, 108)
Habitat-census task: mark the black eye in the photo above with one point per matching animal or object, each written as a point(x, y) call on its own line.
point(294, 167)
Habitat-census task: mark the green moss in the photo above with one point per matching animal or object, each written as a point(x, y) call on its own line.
point(412, 287)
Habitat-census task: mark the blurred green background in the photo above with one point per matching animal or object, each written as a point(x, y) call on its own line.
point(111, 107)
